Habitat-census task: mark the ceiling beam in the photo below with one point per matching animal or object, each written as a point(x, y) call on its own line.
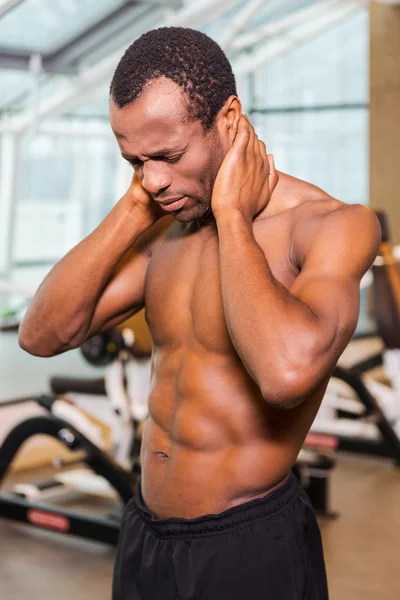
point(280, 26)
point(7, 5)
point(272, 50)
point(240, 22)
point(81, 89)
point(62, 60)
point(20, 61)
point(164, 3)
point(110, 25)
point(193, 14)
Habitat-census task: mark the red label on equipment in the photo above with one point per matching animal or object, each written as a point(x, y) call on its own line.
point(48, 520)
point(318, 440)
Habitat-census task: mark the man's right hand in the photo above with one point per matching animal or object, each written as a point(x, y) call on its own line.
point(141, 199)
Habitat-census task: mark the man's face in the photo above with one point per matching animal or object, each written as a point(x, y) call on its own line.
point(170, 153)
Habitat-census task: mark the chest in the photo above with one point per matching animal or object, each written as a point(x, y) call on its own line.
point(183, 295)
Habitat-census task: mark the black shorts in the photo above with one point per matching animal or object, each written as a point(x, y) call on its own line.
point(269, 548)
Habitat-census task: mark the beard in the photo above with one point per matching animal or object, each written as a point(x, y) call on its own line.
point(201, 212)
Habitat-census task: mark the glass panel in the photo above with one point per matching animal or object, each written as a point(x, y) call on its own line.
point(277, 10)
point(340, 75)
point(45, 25)
point(274, 9)
point(67, 189)
point(98, 110)
point(12, 85)
point(141, 24)
point(22, 95)
point(328, 147)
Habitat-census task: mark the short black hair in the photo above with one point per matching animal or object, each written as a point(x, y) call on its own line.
point(188, 57)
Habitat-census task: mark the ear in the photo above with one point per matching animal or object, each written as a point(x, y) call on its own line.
point(228, 120)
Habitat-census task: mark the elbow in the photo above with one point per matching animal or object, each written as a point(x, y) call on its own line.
point(29, 344)
point(298, 375)
point(45, 344)
point(289, 389)
point(35, 344)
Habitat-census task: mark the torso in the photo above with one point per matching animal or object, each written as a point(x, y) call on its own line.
point(211, 441)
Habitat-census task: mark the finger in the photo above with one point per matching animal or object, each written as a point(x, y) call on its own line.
point(272, 167)
point(257, 150)
point(263, 150)
point(252, 147)
point(256, 145)
point(264, 156)
point(273, 173)
point(243, 134)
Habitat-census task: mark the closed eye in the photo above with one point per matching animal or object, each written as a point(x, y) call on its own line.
point(173, 159)
point(136, 163)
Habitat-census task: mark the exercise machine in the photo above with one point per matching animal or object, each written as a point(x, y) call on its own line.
point(105, 471)
point(18, 508)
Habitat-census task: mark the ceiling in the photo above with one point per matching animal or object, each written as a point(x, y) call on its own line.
point(57, 58)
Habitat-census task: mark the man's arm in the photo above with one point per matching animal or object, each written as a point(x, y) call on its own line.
point(99, 283)
point(289, 340)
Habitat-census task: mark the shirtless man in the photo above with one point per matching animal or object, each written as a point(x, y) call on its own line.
point(251, 289)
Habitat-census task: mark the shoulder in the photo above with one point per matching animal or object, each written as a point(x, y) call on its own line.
point(349, 229)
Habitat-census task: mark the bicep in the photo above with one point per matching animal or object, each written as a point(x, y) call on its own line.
point(336, 259)
point(334, 300)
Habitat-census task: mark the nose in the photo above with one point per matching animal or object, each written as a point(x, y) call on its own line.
point(156, 177)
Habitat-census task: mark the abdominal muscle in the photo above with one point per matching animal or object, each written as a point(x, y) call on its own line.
point(211, 442)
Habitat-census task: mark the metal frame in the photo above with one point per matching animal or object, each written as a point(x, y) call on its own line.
point(82, 88)
point(282, 26)
point(241, 20)
point(194, 14)
point(311, 108)
point(272, 50)
point(102, 529)
point(389, 445)
point(62, 59)
point(7, 5)
point(111, 25)
point(99, 529)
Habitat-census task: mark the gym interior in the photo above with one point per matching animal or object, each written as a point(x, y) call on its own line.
point(320, 82)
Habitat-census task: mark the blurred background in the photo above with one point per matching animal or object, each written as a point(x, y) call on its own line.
point(320, 80)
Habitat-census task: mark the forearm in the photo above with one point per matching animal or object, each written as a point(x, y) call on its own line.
point(63, 306)
point(273, 332)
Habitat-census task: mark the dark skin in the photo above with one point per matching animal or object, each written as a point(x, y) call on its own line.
point(251, 292)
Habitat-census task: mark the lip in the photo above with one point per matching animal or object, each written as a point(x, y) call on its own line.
point(175, 205)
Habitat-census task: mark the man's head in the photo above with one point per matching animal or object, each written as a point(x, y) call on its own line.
point(174, 110)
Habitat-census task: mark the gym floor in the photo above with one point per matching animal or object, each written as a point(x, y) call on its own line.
point(361, 546)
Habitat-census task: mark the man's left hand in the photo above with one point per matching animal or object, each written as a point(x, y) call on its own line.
point(247, 176)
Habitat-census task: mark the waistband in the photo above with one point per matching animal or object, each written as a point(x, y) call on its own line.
point(268, 505)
